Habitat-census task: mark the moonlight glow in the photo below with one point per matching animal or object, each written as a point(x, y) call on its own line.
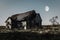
point(46, 8)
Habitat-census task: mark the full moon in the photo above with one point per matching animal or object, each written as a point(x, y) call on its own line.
point(46, 8)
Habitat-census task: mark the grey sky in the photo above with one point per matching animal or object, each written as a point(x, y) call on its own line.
point(10, 7)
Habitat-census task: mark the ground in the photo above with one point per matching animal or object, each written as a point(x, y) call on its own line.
point(28, 36)
point(47, 33)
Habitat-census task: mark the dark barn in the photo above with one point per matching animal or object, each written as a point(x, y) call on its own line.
point(29, 19)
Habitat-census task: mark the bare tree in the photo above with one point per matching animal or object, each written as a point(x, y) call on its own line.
point(53, 20)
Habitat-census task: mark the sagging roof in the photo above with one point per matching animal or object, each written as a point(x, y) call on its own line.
point(23, 15)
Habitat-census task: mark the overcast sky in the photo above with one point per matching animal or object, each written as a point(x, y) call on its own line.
point(10, 7)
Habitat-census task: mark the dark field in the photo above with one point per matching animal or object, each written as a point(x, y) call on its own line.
point(6, 34)
point(28, 36)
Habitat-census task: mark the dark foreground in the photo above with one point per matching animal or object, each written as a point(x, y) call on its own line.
point(28, 36)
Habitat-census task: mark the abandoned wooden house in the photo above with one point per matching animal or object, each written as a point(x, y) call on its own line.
point(29, 19)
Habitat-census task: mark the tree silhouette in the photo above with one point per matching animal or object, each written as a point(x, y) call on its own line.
point(53, 20)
